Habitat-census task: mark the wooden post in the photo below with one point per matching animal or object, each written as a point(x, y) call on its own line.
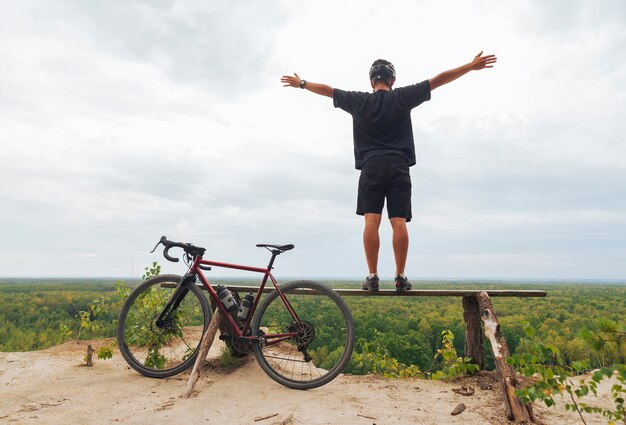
point(474, 347)
point(207, 341)
point(516, 410)
point(89, 356)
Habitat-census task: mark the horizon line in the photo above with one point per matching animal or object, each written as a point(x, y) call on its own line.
point(352, 278)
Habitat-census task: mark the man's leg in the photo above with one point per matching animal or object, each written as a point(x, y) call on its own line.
point(371, 240)
point(400, 242)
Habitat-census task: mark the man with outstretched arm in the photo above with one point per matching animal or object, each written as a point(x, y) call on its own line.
point(384, 150)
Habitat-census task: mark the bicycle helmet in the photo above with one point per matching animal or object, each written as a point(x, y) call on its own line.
point(382, 70)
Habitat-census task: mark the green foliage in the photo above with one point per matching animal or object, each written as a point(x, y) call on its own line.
point(141, 329)
point(453, 366)
point(377, 359)
point(618, 392)
point(105, 352)
point(154, 358)
point(122, 290)
point(404, 335)
point(410, 327)
point(575, 319)
point(553, 375)
point(65, 330)
point(607, 340)
point(85, 319)
point(39, 314)
point(151, 271)
point(228, 361)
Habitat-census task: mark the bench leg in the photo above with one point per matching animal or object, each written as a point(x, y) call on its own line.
point(516, 410)
point(474, 347)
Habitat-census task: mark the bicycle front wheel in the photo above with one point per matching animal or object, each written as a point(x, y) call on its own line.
point(159, 352)
point(324, 341)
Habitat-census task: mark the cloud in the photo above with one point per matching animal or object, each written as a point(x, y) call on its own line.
point(122, 122)
point(219, 44)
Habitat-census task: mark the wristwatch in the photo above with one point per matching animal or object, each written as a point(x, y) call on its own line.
point(302, 83)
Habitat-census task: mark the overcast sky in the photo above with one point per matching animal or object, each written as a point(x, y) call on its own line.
point(121, 121)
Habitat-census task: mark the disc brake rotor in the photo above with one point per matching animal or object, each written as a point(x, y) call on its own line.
point(305, 330)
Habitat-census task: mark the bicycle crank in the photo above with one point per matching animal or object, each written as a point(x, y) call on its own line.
point(241, 346)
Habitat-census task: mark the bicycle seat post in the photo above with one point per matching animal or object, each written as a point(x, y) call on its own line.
point(275, 253)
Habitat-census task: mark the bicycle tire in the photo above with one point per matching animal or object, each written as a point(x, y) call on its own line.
point(155, 352)
point(326, 331)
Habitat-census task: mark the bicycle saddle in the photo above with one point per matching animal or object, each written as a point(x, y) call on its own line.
point(281, 248)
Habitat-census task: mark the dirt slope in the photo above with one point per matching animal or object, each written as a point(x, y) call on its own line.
point(50, 387)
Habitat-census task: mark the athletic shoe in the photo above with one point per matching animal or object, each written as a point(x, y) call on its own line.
point(402, 283)
point(370, 283)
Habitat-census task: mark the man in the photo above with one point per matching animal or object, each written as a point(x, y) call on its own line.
point(384, 150)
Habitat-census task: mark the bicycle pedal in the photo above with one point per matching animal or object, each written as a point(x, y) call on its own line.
point(225, 337)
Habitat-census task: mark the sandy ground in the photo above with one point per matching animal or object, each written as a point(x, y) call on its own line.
point(51, 387)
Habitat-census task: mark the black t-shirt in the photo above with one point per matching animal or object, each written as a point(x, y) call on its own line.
point(382, 120)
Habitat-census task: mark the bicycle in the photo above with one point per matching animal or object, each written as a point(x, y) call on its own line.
point(302, 332)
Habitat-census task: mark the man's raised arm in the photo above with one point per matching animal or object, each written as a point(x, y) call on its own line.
point(297, 82)
point(478, 63)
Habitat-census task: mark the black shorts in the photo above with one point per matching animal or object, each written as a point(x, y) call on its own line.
point(385, 176)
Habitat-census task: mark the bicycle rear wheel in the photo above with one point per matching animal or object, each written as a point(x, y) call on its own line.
point(325, 337)
point(159, 352)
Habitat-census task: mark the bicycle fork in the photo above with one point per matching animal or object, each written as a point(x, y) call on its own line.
point(165, 318)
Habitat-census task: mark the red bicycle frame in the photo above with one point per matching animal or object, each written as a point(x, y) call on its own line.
point(270, 339)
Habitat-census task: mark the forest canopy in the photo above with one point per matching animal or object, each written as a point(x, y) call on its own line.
point(405, 329)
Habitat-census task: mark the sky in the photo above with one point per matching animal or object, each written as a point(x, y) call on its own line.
point(124, 121)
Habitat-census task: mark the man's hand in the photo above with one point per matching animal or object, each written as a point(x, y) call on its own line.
point(481, 61)
point(321, 89)
point(289, 81)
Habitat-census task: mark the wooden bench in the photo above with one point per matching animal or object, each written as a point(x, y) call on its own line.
point(477, 310)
